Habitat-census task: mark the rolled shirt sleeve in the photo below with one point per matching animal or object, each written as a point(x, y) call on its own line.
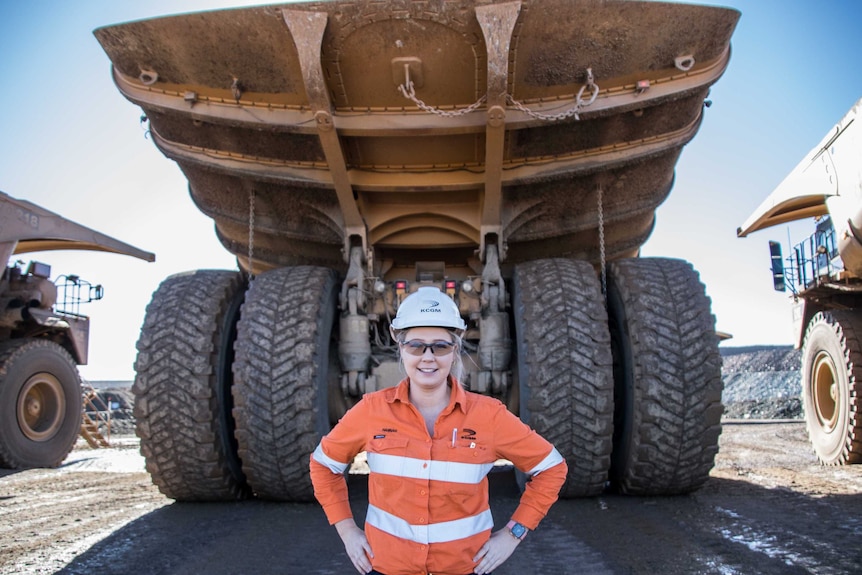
point(538, 458)
point(330, 460)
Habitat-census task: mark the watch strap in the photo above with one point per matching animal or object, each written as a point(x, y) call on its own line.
point(510, 526)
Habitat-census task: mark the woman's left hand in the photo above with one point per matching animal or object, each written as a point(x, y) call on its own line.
point(495, 551)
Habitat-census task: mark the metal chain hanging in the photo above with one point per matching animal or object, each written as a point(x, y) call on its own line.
point(602, 243)
point(251, 235)
point(571, 112)
point(408, 91)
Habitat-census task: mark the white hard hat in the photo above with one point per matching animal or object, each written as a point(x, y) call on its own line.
point(428, 307)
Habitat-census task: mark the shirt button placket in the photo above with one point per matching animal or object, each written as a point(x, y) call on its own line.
point(425, 503)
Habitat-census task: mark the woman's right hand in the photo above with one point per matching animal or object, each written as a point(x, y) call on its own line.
point(355, 544)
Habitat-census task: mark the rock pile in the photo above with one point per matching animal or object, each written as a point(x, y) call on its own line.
point(761, 382)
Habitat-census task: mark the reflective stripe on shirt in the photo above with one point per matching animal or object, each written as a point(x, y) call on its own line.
point(433, 533)
point(553, 458)
point(413, 468)
point(334, 466)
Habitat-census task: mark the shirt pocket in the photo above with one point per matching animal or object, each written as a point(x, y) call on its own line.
point(464, 486)
point(386, 459)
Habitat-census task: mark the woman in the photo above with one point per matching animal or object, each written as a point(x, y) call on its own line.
point(430, 445)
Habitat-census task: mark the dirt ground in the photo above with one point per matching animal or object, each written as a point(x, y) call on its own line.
point(768, 508)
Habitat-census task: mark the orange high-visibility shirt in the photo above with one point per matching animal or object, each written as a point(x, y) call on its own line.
point(428, 506)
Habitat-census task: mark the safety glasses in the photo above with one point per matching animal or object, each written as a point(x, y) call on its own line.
point(438, 348)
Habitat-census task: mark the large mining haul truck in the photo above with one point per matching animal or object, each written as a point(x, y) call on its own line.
point(512, 154)
point(43, 335)
point(824, 275)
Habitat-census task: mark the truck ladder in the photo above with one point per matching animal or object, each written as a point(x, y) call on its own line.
point(90, 420)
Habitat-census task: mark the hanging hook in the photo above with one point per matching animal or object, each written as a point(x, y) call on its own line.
point(236, 89)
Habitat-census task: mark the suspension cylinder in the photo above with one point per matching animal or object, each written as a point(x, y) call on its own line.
point(354, 346)
point(495, 346)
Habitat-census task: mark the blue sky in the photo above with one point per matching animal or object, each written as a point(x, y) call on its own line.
point(71, 143)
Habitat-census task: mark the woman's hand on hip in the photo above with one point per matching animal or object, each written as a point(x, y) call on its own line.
point(355, 544)
point(495, 551)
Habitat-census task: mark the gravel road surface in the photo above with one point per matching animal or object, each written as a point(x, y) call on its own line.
point(768, 508)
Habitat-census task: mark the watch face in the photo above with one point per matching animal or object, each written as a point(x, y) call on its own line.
point(518, 530)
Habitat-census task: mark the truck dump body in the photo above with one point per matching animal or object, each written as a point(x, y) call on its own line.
point(26, 227)
point(353, 152)
point(828, 180)
point(299, 104)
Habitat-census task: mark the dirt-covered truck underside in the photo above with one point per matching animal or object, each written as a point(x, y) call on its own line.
point(511, 153)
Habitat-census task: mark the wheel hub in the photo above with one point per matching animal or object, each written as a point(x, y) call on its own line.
point(33, 407)
point(41, 406)
point(824, 391)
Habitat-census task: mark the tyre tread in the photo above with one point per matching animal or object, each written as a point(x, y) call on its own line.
point(277, 405)
point(677, 377)
point(176, 398)
point(567, 352)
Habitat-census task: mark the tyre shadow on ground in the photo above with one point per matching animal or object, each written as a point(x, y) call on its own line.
point(729, 524)
point(251, 536)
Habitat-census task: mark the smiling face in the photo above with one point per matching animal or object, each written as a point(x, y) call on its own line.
point(427, 371)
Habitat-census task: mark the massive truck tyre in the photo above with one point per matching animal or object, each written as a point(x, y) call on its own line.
point(564, 366)
point(832, 386)
point(182, 387)
point(40, 404)
point(667, 369)
point(282, 374)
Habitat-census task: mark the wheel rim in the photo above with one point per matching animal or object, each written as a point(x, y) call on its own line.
point(41, 405)
point(824, 391)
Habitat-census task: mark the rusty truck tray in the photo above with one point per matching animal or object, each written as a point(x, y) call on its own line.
point(425, 129)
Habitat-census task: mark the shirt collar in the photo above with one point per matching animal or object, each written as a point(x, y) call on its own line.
point(457, 397)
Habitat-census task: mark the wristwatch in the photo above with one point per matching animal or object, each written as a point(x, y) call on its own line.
point(517, 530)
